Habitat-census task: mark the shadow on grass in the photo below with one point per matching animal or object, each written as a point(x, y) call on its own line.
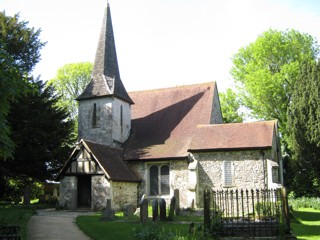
point(306, 224)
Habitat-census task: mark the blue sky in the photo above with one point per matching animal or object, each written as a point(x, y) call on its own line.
point(161, 43)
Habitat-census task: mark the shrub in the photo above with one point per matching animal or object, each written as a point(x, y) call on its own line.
point(304, 202)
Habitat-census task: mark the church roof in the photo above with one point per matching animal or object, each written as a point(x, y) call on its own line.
point(163, 120)
point(111, 159)
point(105, 75)
point(234, 136)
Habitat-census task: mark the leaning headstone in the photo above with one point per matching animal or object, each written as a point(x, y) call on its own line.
point(128, 209)
point(176, 195)
point(144, 211)
point(172, 208)
point(155, 210)
point(163, 210)
point(108, 213)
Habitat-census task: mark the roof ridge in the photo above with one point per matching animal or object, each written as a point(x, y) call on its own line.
point(255, 122)
point(178, 86)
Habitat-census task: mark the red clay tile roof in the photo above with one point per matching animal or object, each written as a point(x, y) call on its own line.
point(163, 120)
point(112, 162)
point(255, 135)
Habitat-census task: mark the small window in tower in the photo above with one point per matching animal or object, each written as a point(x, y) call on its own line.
point(94, 116)
point(121, 116)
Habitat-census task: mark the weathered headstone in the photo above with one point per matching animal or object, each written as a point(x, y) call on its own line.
point(172, 208)
point(144, 211)
point(155, 210)
point(176, 195)
point(108, 213)
point(163, 210)
point(128, 209)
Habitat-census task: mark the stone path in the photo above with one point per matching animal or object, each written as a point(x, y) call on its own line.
point(55, 225)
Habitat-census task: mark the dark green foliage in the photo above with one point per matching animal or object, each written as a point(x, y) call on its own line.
point(42, 136)
point(19, 52)
point(304, 130)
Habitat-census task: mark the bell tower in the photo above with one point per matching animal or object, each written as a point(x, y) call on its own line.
point(104, 105)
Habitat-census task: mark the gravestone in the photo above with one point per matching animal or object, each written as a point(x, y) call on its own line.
point(163, 210)
point(176, 195)
point(155, 210)
point(128, 209)
point(108, 213)
point(144, 211)
point(172, 208)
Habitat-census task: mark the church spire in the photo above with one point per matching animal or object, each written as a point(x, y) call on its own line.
point(105, 75)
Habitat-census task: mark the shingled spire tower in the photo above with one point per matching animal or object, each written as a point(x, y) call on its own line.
point(104, 105)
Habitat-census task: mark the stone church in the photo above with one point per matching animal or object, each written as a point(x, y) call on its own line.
point(160, 142)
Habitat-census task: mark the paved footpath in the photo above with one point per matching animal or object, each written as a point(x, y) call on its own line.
point(55, 225)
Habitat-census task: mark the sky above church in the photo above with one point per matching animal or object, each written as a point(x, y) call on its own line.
point(161, 43)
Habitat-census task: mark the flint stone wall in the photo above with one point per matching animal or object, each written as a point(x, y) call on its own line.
point(68, 192)
point(248, 170)
point(100, 192)
point(124, 193)
point(179, 179)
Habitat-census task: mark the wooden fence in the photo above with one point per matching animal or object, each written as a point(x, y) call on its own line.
point(246, 213)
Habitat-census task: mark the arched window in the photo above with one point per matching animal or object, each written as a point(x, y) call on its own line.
point(159, 178)
point(165, 189)
point(154, 181)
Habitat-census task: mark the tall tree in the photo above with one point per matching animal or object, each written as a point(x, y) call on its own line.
point(19, 53)
point(304, 130)
point(230, 107)
point(42, 135)
point(69, 83)
point(267, 69)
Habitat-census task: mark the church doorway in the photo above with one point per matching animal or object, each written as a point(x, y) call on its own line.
point(84, 191)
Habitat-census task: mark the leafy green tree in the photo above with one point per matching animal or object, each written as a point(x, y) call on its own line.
point(267, 69)
point(19, 53)
point(70, 82)
point(304, 130)
point(42, 135)
point(230, 107)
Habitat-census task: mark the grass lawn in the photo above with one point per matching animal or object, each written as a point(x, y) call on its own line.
point(123, 228)
point(307, 224)
point(16, 215)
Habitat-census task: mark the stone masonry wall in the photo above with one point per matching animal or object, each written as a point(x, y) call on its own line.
point(68, 192)
point(248, 170)
point(124, 192)
point(102, 132)
point(179, 179)
point(121, 133)
point(100, 192)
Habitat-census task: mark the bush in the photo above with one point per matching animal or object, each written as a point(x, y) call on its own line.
point(304, 202)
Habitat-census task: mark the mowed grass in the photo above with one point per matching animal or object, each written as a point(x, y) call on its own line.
point(16, 215)
point(307, 224)
point(122, 228)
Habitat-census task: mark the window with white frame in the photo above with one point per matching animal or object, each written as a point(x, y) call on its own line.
point(159, 177)
point(227, 173)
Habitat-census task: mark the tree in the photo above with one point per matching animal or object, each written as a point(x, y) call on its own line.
point(19, 53)
point(230, 107)
point(42, 135)
point(267, 69)
point(70, 82)
point(304, 130)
